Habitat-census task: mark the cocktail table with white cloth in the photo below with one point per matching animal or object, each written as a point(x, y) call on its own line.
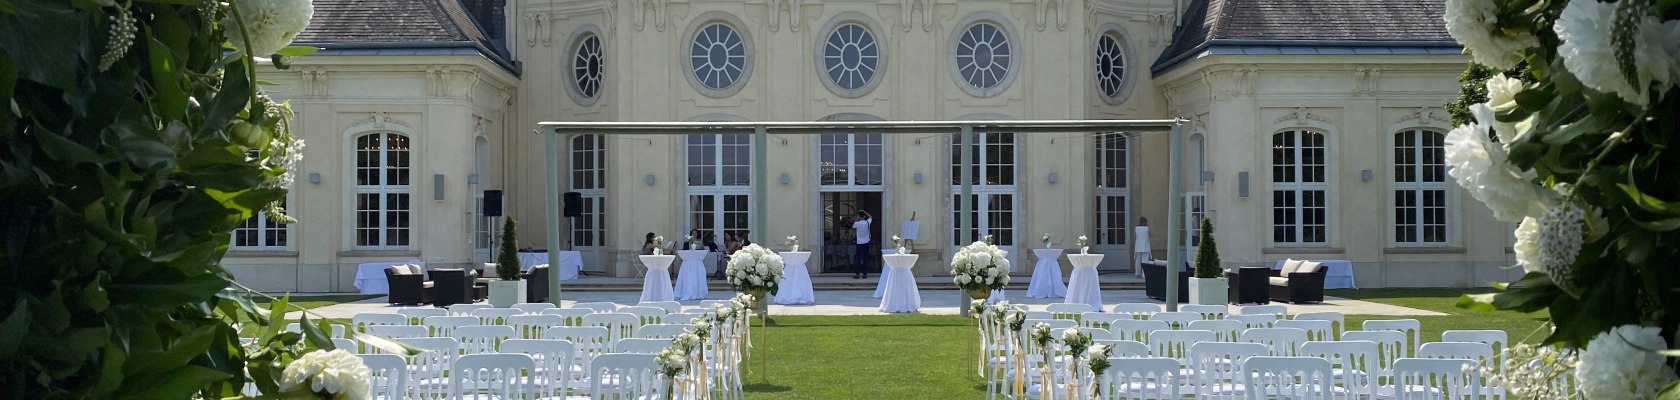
point(657, 285)
point(881, 285)
point(370, 277)
point(1338, 274)
point(691, 279)
point(901, 294)
point(796, 281)
point(1083, 286)
point(1047, 276)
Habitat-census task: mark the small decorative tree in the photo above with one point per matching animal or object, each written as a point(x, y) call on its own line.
point(507, 256)
point(1207, 256)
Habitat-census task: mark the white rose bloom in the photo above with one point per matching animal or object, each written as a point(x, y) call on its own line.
point(754, 280)
point(1585, 27)
point(1502, 93)
point(273, 24)
point(1481, 168)
point(1474, 24)
point(336, 372)
point(963, 279)
point(1622, 364)
point(1528, 245)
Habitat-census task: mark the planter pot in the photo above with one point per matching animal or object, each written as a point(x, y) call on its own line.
point(1213, 291)
point(981, 293)
point(504, 294)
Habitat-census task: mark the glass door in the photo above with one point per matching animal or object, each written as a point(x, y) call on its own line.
point(1113, 202)
point(839, 240)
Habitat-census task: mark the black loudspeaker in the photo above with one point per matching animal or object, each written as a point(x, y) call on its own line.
point(492, 203)
point(573, 204)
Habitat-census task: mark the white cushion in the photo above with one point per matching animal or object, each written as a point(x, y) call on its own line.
point(1289, 266)
point(412, 269)
point(1309, 267)
point(1277, 280)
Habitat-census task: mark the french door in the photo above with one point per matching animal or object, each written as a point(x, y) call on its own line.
point(1113, 202)
point(993, 214)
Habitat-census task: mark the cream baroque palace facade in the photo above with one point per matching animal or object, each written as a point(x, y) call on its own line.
point(1315, 130)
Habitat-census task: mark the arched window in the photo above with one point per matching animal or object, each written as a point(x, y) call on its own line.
point(1420, 188)
point(719, 183)
point(1300, 201)
point(382, 190)
point(589, 178)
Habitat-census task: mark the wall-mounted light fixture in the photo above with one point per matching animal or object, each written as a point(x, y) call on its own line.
point(437, 187)
point(314, 177)
point(1242, 184)
point(917, 178)
point(648, 179)
point(786, 178)
point(1365, 175)
point(1053, 177)
point(472, 179)
point(1207, 176)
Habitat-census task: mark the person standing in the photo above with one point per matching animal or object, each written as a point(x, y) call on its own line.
point(864, 220)
point(1140, 246)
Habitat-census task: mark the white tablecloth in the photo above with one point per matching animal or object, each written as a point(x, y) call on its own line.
point(370, 277)
point(691, 279)
point(901, 295)
point(881, 285)
point(1047, 276)
point(1083, 285)
point(528, 259)
point(657, 285)
point(571, 262)
point(796, 281)
point(1338, 273)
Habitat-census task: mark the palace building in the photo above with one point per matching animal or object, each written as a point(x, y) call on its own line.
point(1314, 131)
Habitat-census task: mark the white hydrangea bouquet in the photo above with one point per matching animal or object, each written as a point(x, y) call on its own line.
point(335, 374)
point(792, 242)
point(1046, 240)
point(755, 270)
point(1084, 244)
point(1569, 129)
point(980, 268)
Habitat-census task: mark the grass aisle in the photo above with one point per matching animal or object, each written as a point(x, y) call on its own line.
point(856, 357)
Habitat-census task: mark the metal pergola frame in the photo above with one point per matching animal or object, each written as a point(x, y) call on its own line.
point(969, 131)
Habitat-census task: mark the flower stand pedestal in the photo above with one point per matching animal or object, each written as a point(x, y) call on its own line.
point(504, 294)
point(1215, 291)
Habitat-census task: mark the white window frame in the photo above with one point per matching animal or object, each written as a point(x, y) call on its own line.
point(852, 149)
point(982, 190)
point(589, 160)
point(263, 229)
point(1413, 143)
point(716, 192)
point(383, 191)
point(1299, 188)
point(1105, 230)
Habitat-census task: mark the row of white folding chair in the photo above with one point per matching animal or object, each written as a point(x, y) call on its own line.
point(1269, 377)
point(1143, 310)
point(561, 360)
point(530, 371)
point(338, 330)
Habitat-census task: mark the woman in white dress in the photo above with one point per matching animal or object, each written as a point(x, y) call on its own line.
point(1140, 246)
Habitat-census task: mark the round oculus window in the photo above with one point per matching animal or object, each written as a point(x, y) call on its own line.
point(1111, 66)
point(851, 57)
point(718, 56)
point(984, 56)
point(587, 67)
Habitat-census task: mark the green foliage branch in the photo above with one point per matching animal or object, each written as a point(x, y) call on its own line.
point(507, 255)
point(1207, 255)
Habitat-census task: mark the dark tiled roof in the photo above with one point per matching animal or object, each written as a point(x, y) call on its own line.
point(353, 24)
point(1357, 23)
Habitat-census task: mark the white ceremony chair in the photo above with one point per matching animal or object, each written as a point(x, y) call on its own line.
point(388, 376)
point(661, 331)
point(532, 308)
point(1040, 315)
point(364, 320)
point(1411, 327)
point(1138, 329)
point(647, 315)
point(1097, 333)
point(1143, 378)
point(556, 360)
point(1125, 348)
point(1391, 345)
point(640, 345)
point(1481, 353)
point(1208, 311)
point(1278, 310)
point(1254, 320)
point(1176, 319)
point(481, 339)
point(1097, 319)
point(708, 304)
point(572, 316)
point(619, 325)
point(1317, 330)
point(1495, 339)
point(1227, 330)
point(492, 376)
point(495, 316)
point(1284, 342)
point(428, 371)
point(1336, 320)
point(417, 315)
point(1176, 344)
point(1216, 368)
point(624, 376)
point(465, 309)
point(600, 306)
point(338, 330)
point(671, 307)
point(588, 341)
point(445, 326)
point(346, 345)
point(1137, 310)
point(1288, 378)
point(1427, 378)
point(532, 326)
point(682, 318)
point(1354, 363)
point(398, 331)
point(1067, 311)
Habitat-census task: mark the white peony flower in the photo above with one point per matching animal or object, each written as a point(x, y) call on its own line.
point(335, 372)
point(1474, 23)
point(272, 24)
point(1589, 51)
point(1502, 93)
point(1622, 364)
point(1481, 168)
point(963, 279)
point(1528, 245)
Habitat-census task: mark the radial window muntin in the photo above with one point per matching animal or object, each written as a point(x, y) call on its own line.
point(985, 54)
point(718, 57)
point(587, 68)
point(851, 56)
point(1111, 66)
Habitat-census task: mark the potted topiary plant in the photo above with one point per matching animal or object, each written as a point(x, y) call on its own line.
point(1208, 284)
point(507, 289)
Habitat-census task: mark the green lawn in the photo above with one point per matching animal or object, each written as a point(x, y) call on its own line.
point(312, 302)
point(1518, 326)
point(865, 357)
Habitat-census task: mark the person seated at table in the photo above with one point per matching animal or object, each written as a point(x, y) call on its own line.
point(647, 246)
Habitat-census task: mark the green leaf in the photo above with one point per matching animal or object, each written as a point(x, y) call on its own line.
point(1662, 225)
point(229, 101)
point(64, 150)
point(94, 294)
point(171, 100)
point(179, 383)
point(167, 292)
point(386, 345)
point(276, 316)
point(1672, 391)
point(46, 42)
point(1648, 202)
point(297, 51)
point(7, 7)
point(1477, 302)
point(14, 328)
point(316, 335)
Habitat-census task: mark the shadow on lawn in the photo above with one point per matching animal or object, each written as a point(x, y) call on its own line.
point(766, 388)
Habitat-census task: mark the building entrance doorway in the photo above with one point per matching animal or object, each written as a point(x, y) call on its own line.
point(839, 241)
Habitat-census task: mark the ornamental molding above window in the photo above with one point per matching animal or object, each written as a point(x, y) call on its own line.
point(1301, 115)
point(1423, 115)
point(381, 120)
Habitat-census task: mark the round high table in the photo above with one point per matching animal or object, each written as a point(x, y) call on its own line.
point(1047, 276)
point(1083, 287)
point(796, 281)
point(691, 279)
point(657, 285)
point(901, 295)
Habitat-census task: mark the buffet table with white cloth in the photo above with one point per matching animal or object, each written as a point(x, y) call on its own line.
point(657, 285)
point(901, 295)
point(370, 277)
point(1338, 274)
point(1047, 276)
point(691, 279)
point(796, 281)
point(1083, 286)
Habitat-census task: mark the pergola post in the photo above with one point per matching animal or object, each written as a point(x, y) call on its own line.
point(965, 219)
point(1175, 207)
point(551, 189)
point(761, 184)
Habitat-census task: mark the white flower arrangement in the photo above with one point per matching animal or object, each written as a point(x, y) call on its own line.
point(1041, 334)
point(337, 374)
point(1586, 29)
point(898, 243)
point(701, 327)
point(1015, 319)
point(1481, 167)
point(659, 245)
point(1531, 372)
point(1083, 243)
point(1076, 341)
point(1623, 364)
point(1096, 357)
point(754, 268)
point(980, 265)
point(1046, 240)
point(271, 24)
point(672, 362)
point(1475, 23)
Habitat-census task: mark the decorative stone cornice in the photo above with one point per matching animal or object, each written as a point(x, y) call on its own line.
point(641, 13)
point(1301, 115)
point(1423, 115)
point(795, 15)
point(381, 120)
point(907, 7)
point(315, 82)
point(1365, 78)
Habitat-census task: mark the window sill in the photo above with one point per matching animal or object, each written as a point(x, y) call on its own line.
point(261, 254)
point(1301, 250)
point(379, 253)
point(1423, 250)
